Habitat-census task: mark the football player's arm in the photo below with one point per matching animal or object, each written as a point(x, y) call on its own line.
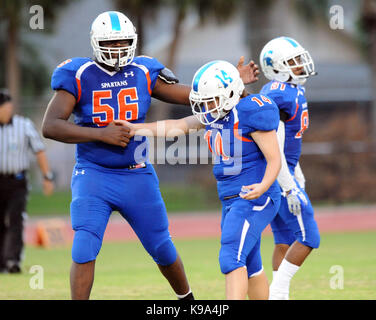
point(299, 176)
point(268, 143)
point(179, 93)
point(48, 184)
point(175, 93)
point(285, 179)
point(164, 128)
point(57, 127)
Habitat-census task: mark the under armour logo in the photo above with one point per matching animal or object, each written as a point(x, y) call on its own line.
point(227, 118)
point(129, 74)
point(80, 172)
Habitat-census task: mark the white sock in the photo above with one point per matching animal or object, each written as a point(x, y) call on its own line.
point(282, 278)
point(181, 296)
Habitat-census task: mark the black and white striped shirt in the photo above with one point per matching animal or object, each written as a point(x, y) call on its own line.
point(17, 139)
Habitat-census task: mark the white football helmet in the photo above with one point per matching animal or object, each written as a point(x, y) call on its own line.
point(216, 89)
point(274, 59)
point(108, 26)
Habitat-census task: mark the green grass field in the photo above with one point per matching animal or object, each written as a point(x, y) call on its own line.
point(178, 198)
point(125, 271)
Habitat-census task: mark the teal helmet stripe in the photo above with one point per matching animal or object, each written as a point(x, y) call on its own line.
point(294, 44)
point(115, 22)
point(197, 78)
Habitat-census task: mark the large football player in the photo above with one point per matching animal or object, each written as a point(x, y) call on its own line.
point(288, 65)
point(240, 130)
point(109, 175)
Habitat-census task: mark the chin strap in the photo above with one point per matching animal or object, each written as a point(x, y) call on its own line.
point(117, 68)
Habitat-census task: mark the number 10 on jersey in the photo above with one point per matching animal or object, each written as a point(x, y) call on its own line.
point(106, 113)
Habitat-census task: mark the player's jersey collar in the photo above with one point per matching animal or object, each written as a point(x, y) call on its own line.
point(110, 73)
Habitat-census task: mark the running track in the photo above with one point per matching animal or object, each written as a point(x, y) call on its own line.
point(207, 225)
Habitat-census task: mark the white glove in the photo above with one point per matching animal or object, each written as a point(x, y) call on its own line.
point(294, 199)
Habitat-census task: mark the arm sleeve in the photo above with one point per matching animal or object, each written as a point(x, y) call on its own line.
point(299, 176)
point(284, 103)
point(285, 179)
point(154, 72)
point(154, 67)
point(264, 118)
point(35, 141)
point(64, 79)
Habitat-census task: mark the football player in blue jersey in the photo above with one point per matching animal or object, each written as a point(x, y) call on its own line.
point(108, 174)
point(288, 65)
point(241, 132)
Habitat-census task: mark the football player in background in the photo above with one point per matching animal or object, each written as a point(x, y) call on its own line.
point(288, 65)
point(108, 175)
point(241, 133)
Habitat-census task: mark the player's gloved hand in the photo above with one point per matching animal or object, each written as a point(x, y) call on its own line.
point(294, 200)
point(118, 135)
point(249, 72)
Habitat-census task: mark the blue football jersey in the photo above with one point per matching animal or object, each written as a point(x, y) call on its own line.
point(103, 96)
point(238, 160)
point(290, 99)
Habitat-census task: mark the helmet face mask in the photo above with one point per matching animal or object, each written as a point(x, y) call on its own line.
point(113, 26)
point(115, 55)
point(303, 62)
point(216, 89)
point(282, 56)
point(207, 110)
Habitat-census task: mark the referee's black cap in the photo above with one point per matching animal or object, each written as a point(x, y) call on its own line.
point(4, 96)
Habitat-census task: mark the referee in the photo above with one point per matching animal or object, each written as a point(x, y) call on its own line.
point(18, 137)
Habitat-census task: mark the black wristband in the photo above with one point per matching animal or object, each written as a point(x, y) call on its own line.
point(49, 176)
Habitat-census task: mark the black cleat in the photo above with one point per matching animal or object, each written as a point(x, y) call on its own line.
point(14, 269)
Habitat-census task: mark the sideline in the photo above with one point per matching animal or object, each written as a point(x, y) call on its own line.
point(207, 224)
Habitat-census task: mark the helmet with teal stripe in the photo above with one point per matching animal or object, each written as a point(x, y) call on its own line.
point(216, 89)
point(284, 59)
point(112, 26)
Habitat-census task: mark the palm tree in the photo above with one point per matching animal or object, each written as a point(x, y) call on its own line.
point(139, 11)
point(14, 22)
point(221, 10)
point(257, 15)
point(367, 35)
point(368, 28)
